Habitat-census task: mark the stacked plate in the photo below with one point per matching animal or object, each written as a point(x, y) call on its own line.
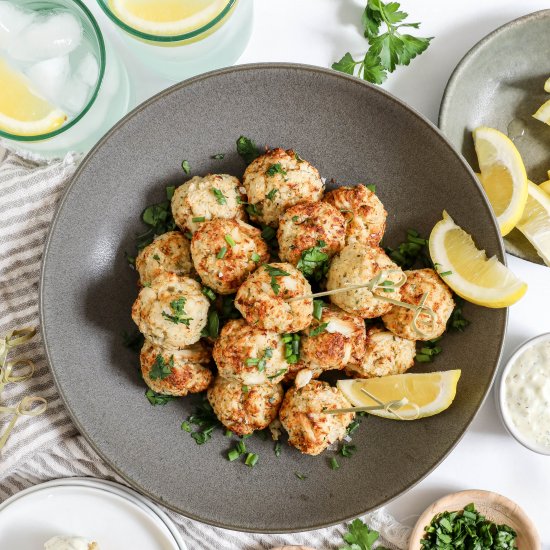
point(108, 513)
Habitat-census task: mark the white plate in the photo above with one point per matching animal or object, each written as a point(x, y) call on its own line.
point(31, 517)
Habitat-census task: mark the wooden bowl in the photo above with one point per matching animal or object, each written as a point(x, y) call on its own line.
point(495, 507)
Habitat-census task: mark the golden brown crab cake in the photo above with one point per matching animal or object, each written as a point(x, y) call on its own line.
point(168, 253)
point(335, 340)
point(249, 354)
point(358, 264)
point(225, 252)
point(172, 311)
point(386, 354)
point(205, 198)
point(176, 372)
point(278, 180)
point(439, 299)
point(309, 429)
point(244, 409)
point(263, 299)
point(310, 224)
point(364, 213)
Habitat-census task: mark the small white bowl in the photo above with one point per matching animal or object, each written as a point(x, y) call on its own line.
point(500, 390)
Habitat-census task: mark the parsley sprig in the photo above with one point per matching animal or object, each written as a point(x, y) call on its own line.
point(360, 537)
point(275, 272)
point(161, 369)
point(178, 315)
point(205, 419)
point(386, 50)
point(247, 149)
point(314, 262)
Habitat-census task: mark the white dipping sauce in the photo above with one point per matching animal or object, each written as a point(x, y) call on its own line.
point(527, 393)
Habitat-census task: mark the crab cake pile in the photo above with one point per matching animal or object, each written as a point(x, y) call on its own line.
point(168, 253)
point(307, 225)
point(439, 298)
point(309, 429)
point(223, 262)
point(385, 354)
point(278, 180)
point(204, 198)
point(364, 213)
point(225, 252)
point(244, 409)
point(355, 265)
point(264, 298)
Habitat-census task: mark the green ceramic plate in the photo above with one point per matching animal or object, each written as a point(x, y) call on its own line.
point(499, 83)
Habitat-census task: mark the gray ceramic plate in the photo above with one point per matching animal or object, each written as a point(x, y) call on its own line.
point(352, 132)
point(500, 83)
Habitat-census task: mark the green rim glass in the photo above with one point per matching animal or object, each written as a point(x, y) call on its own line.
point(87, 14)
point(168, 38)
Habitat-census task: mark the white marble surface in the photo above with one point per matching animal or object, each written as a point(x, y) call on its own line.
point(318, 32)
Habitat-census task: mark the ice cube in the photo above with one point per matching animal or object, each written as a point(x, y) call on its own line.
point(12, 21)
point(49, 77)
point(74, 96)
point(54, 35)
point(88, 70)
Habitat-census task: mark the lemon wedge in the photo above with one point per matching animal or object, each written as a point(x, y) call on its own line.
point(426, 394)
point(167, 17)
point(543, 113)
point(22, 112)
point(535, 223)
point(478, 279)
point(503, 176)
point(545, 186)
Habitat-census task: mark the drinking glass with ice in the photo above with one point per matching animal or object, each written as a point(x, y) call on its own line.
point(62, 87)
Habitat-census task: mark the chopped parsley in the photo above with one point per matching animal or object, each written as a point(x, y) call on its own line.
point(360, 537)
point(247, 149)
point(218, 156)
point(178, 315)
point(159, 219)
point(276, 168)
point(186, 427)
point(347, 450)
point(161, 369)
point(298, 157)
point(252, 210)
point(314, 262)
point(206, 421)
point(170, 191)
point(457, 320)
point(411, 251)
point(271, 194)
point(318, 329)
point(186, 167)
point(268, 233)
point(300, 476)
point(212, 328)
point(221, 253)
point(220, 197)
point(158, 398)
point(260, 362)
point(295, 219)
point(156, 257)
point(275, 272)
point(371, 187)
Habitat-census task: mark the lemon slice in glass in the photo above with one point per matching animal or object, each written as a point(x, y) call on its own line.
point(167, 17)
point(543, 113)
point(535, 223)
point(545, 186)
point(22, 112)
point(547, 85)
point(503, 176)
point(476, 278)
point(426, 394)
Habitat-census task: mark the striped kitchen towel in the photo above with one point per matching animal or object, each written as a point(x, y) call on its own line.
point(49, 446)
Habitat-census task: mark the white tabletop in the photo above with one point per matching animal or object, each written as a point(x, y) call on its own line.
point(319, 32)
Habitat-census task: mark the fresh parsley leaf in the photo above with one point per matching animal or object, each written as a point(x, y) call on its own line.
point(411, 251)
point(271, 194)
point(247, 149)
point(252, 210)
point(170, 192)
point(212, 328)
point(218, 156)
point(161, 369)
point(371, 187)
point(457, 321)
point(275, 272)
point(347, 450)
point(387, 49)
point(359, 536)
point(206, 420)
point(276, 168)
point(157, 398)
point(220, 197)
point(178, 315)
point(255, 257)
point(186, 167)
point(313, 261)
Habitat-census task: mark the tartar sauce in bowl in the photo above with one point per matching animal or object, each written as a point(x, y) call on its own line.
point(524, 394)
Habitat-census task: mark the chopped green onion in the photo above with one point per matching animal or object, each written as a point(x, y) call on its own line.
point(221, 253)
point(186, 167)
point(209, 293)
point(229, 240)
point(278, 448)
point(186, 427)
point(198, 219)
point(218, 156)
point(188, 235)
point(334, 464)
point(220, 197)
point(240, 447)
point(318, 330)
point(318, 309)
point(228, 433)
point(255, 257)
point(445, 273)
point(300, 476)
point(271, 194)
point(251, 459)
point(232, 455)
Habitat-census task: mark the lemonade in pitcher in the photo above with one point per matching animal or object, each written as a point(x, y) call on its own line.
point(61, 86)
point(182, 38)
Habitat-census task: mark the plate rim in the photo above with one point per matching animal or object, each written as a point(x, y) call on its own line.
point(189, 82)
point(106, 486)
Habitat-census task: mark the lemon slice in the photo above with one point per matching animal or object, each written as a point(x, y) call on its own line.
point(547, 85)
point(478, 279)
point(543, 113)
point(535, 223)
point(167, 17)
point(22, 112)
point(426, 393)
point(503, 176)
point(545, 186)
